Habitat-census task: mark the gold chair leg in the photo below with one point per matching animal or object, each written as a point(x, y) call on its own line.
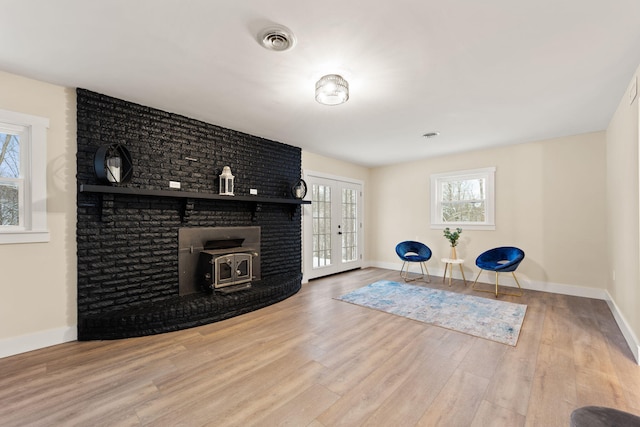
point(497, 292)
point(405, 276)
point(422, 264)
point(476, 281)
point(521, 292)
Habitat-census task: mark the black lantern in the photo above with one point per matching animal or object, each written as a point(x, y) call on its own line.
point(112, 164)
point(299, 189)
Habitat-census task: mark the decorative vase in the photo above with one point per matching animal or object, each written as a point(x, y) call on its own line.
point(453, 253)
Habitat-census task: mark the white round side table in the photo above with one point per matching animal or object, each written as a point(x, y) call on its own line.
point(448, 264)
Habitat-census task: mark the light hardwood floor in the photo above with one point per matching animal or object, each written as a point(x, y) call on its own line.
point(315, 361)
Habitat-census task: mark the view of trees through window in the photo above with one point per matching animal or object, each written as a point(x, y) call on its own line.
point(321, 217)
point(463, 200)
point(349, 225)
point(9, 179)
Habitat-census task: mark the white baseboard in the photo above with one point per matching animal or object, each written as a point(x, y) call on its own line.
point(386, 265)
point(564, 289)
point(35, 341)
point(627, 332)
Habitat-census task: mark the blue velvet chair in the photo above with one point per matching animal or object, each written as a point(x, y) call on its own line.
point(500, 260)
point(410, 251)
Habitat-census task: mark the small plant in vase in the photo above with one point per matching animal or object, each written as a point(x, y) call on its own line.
point(452, 237)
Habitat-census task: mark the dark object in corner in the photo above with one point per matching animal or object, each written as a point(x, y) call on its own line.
point(599, 416)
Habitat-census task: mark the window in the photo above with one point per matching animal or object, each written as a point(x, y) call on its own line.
point(23, 186)
point(463, 198)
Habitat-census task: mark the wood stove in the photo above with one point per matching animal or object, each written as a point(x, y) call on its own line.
point(224, 259)
point(226, 264)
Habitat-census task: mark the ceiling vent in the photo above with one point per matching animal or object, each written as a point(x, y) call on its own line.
point(431, 134)
point(277, 38)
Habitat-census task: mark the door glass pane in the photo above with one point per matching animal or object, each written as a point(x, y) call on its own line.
point(321, 218)
point(349, 225)
point(242, 269)
point(224, 272)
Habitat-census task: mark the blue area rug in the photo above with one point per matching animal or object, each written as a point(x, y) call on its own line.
point(481, 317)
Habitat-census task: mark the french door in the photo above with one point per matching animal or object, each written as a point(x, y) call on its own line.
point(332, 226)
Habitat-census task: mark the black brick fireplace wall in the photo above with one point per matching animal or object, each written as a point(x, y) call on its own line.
point(128, 244)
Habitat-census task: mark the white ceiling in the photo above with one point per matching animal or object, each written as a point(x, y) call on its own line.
point(482, 73)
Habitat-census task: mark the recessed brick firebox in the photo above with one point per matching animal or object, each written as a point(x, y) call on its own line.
point(128, 278)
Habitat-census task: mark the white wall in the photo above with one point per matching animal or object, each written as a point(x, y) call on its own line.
point(623, 212)
point(38, 281)
point(550, 199)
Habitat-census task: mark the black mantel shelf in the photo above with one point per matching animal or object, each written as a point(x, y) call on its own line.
point(106, 189)
point(190, 195)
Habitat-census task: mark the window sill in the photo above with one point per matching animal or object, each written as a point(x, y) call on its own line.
point(13, 237)
point(464, 226)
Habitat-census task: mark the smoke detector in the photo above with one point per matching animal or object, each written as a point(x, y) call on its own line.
point(277, 38)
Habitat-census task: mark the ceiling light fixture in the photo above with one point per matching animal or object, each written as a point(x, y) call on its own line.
point(332, 89)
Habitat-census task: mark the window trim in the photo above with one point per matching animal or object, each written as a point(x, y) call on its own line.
point(488, 174)
point(34, 229)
